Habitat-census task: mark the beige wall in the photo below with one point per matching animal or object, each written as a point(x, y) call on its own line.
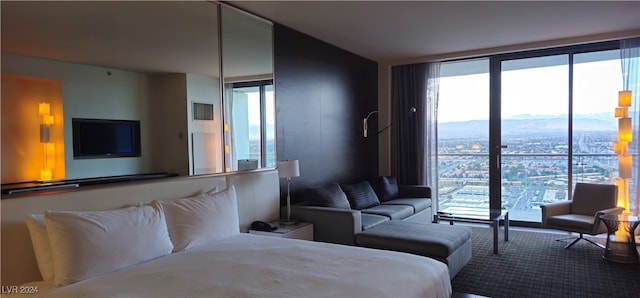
point(258, 199)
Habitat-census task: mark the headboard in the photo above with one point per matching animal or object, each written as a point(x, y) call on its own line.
point(258, 199)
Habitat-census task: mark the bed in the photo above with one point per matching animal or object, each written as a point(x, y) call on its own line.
point(247, 265)
point(192, 247)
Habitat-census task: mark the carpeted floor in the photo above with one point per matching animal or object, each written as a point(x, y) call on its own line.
point(533, 264)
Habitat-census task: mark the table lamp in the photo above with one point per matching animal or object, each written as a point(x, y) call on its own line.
point(288, 169)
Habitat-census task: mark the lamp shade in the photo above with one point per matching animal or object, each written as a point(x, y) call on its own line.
point(624, 98)
point(620, 148)
point(48, 119)
point(624, 130)
point(288, 168)
point(44, 133)
point(44, 109)
point(621, 112)
point(624, 166)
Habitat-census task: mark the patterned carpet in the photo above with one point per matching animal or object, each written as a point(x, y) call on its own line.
point(533, 264)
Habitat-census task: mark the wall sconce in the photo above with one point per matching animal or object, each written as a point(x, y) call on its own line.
point(365, 122)
point(365, 126)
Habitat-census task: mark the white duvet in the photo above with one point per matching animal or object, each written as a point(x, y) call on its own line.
point(248, 265)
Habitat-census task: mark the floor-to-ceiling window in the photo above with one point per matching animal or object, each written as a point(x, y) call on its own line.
point(534, 133)
point(556, 127)
point(463, 134)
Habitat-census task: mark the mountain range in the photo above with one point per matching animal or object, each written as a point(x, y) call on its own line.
point(529, 124)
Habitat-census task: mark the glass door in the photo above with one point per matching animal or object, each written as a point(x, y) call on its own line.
point(597, 81)
point(534, 134)
point(518, 130)
point(557, 127)
point(463, 134)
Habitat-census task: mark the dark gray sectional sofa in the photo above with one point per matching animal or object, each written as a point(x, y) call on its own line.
point(340, 225)
point(384, 215)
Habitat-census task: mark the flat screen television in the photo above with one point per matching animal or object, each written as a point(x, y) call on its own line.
point(103, 138)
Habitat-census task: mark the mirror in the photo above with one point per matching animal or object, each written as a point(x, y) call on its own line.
point(249, 104)
point(154, 62)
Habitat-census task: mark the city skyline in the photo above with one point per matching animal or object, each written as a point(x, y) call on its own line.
point(534, 171)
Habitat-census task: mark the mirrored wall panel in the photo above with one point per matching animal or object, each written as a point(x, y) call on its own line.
point(247, 60)
point(154, 64)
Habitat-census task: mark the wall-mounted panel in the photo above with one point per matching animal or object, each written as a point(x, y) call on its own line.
point(322, 95)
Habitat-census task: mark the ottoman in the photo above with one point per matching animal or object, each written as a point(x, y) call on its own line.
point(446, 243)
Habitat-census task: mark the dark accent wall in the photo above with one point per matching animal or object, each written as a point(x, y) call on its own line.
point(322, 94)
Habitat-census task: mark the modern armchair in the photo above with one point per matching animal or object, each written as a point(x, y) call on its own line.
point(581, 214)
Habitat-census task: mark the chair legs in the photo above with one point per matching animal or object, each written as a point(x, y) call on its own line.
point(578, 239)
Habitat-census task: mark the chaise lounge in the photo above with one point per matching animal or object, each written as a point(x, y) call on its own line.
point(384, 216)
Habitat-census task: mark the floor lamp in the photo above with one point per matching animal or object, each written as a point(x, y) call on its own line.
point(288, 169)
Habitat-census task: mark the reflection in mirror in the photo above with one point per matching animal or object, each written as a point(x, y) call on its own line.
point(252, 109)
point(102, 60)
point(247, 60)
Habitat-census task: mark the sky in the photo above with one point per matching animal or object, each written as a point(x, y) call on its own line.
point(535, 91)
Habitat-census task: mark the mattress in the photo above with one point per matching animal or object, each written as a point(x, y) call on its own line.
point(248, 265)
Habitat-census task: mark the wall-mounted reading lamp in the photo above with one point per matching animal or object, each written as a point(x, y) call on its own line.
point(365, 122)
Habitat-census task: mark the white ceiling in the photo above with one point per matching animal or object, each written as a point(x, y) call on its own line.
point(404, 30)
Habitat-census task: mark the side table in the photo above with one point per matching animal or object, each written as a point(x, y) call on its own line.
point(299, 230)
point(621, 242)
point(491, 216)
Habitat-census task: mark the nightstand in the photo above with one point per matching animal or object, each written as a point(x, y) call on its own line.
point(300, 230)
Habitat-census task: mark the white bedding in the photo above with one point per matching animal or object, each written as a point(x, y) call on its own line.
point(249, 265)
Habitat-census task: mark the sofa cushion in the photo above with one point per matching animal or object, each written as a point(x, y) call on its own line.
point(328, 196)
point(391, 211)
point(418, 204)
point(360, 195)
point(432, 240)
point(370, 220)
point(386, 188)
point(414, 191)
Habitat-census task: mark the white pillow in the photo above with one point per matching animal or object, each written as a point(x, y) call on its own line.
point(196, 220)
point(86, 244)
point(211, 191)
point(40, 241)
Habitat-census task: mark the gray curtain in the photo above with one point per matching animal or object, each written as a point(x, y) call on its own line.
point(413, 134)
point(430, 168)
